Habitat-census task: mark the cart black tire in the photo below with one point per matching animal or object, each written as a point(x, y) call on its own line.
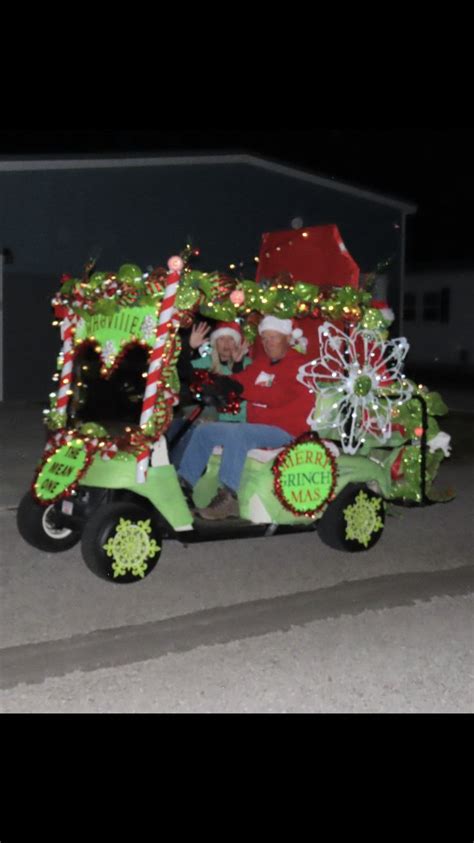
point(333, 525)
point(33, 524)
point(103, 527)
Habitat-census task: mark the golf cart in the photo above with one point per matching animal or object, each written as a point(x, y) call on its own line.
point(105, 478)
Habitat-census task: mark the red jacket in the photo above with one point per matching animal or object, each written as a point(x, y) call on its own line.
point(285, 402)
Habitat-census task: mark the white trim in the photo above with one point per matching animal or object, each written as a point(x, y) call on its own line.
point(259, 454)
point(401, 300)
point(226, 332)
point(258, 513)
point(94, 163)
point(330, 183)
point(273, 323)
point(56, 533)
point(1, 326)
point(159, 453)
point(114, 163)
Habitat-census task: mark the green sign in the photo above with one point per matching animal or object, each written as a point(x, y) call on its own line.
point(121, 326)
point(305, 476)
point(61, 470)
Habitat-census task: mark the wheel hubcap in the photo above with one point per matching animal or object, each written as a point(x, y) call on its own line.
point(49, 528)
point(130, 547)
point(363, 519)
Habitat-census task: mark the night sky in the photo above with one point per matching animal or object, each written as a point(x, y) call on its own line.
point(433, 168)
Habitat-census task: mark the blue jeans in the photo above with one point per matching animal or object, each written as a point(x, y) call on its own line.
point(177, 453)
point(236, 440)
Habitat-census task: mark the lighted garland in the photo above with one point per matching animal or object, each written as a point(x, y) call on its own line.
point(406, 473)
point(214, 295)
point(103, 292)
point(406, 468)
point(170, 378)
point(159, 421)
point(107, 371)
point(168, 389)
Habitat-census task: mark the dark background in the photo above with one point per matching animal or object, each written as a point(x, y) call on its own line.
point(433, 168)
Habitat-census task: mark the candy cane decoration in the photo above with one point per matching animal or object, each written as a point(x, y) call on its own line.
point(55, 442)
point(67, 335)
point(175, 265)
point(109, 451)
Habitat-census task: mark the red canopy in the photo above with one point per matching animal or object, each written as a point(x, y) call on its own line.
point(314, 255)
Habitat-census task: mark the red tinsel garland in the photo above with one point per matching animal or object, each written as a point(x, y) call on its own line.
point(50, 450)
point(233, 406)
point(201, 378)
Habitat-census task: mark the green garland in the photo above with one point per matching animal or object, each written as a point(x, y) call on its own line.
point(210, 294)
point(410, 417)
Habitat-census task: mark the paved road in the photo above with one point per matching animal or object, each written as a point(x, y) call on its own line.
point(281, 624)
point(411, 659)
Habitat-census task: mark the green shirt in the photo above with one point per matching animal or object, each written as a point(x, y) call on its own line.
point(205, 363)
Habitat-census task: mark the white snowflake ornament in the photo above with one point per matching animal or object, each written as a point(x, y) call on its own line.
point(357, 381)
point(108, 354)
point(148, 328)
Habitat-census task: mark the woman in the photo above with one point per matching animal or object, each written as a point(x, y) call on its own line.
point(227, 356)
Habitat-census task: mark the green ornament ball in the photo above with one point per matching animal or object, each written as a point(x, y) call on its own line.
point(130, 272)
point(92, 429)
point(362, 386)
point(97, 279)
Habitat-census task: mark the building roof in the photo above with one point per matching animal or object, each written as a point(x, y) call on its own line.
point(91, 162)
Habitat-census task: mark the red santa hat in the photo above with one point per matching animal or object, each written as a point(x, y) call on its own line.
point(228, 329)
point(283, 326)
point(385, 310)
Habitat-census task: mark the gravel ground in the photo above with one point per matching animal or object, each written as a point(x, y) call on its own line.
point(411, 659)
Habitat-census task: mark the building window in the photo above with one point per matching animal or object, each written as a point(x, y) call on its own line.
point(409, 307)
point(445, 304)
point(436, 306)
point(431, 307)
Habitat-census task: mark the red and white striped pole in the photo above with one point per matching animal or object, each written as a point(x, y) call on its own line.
point(67, 332)
point(167, 310)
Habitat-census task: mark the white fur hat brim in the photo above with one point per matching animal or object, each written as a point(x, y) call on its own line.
point(226, 332)
point(272, 323)
point(283, 326)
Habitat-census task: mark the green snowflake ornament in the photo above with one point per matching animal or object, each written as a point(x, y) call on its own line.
point(130, 547)
point(362, 518)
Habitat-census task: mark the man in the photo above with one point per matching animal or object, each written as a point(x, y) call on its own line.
point(277, 411)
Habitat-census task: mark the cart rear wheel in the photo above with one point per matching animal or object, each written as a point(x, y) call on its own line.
point(354, 521)
point(121, 543)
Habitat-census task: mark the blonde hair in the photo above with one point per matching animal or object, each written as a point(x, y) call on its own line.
point(216, 365)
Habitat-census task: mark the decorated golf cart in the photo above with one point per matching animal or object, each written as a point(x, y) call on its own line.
point(106, 479)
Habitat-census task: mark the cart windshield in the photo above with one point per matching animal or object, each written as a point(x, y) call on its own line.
point(114, 401)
